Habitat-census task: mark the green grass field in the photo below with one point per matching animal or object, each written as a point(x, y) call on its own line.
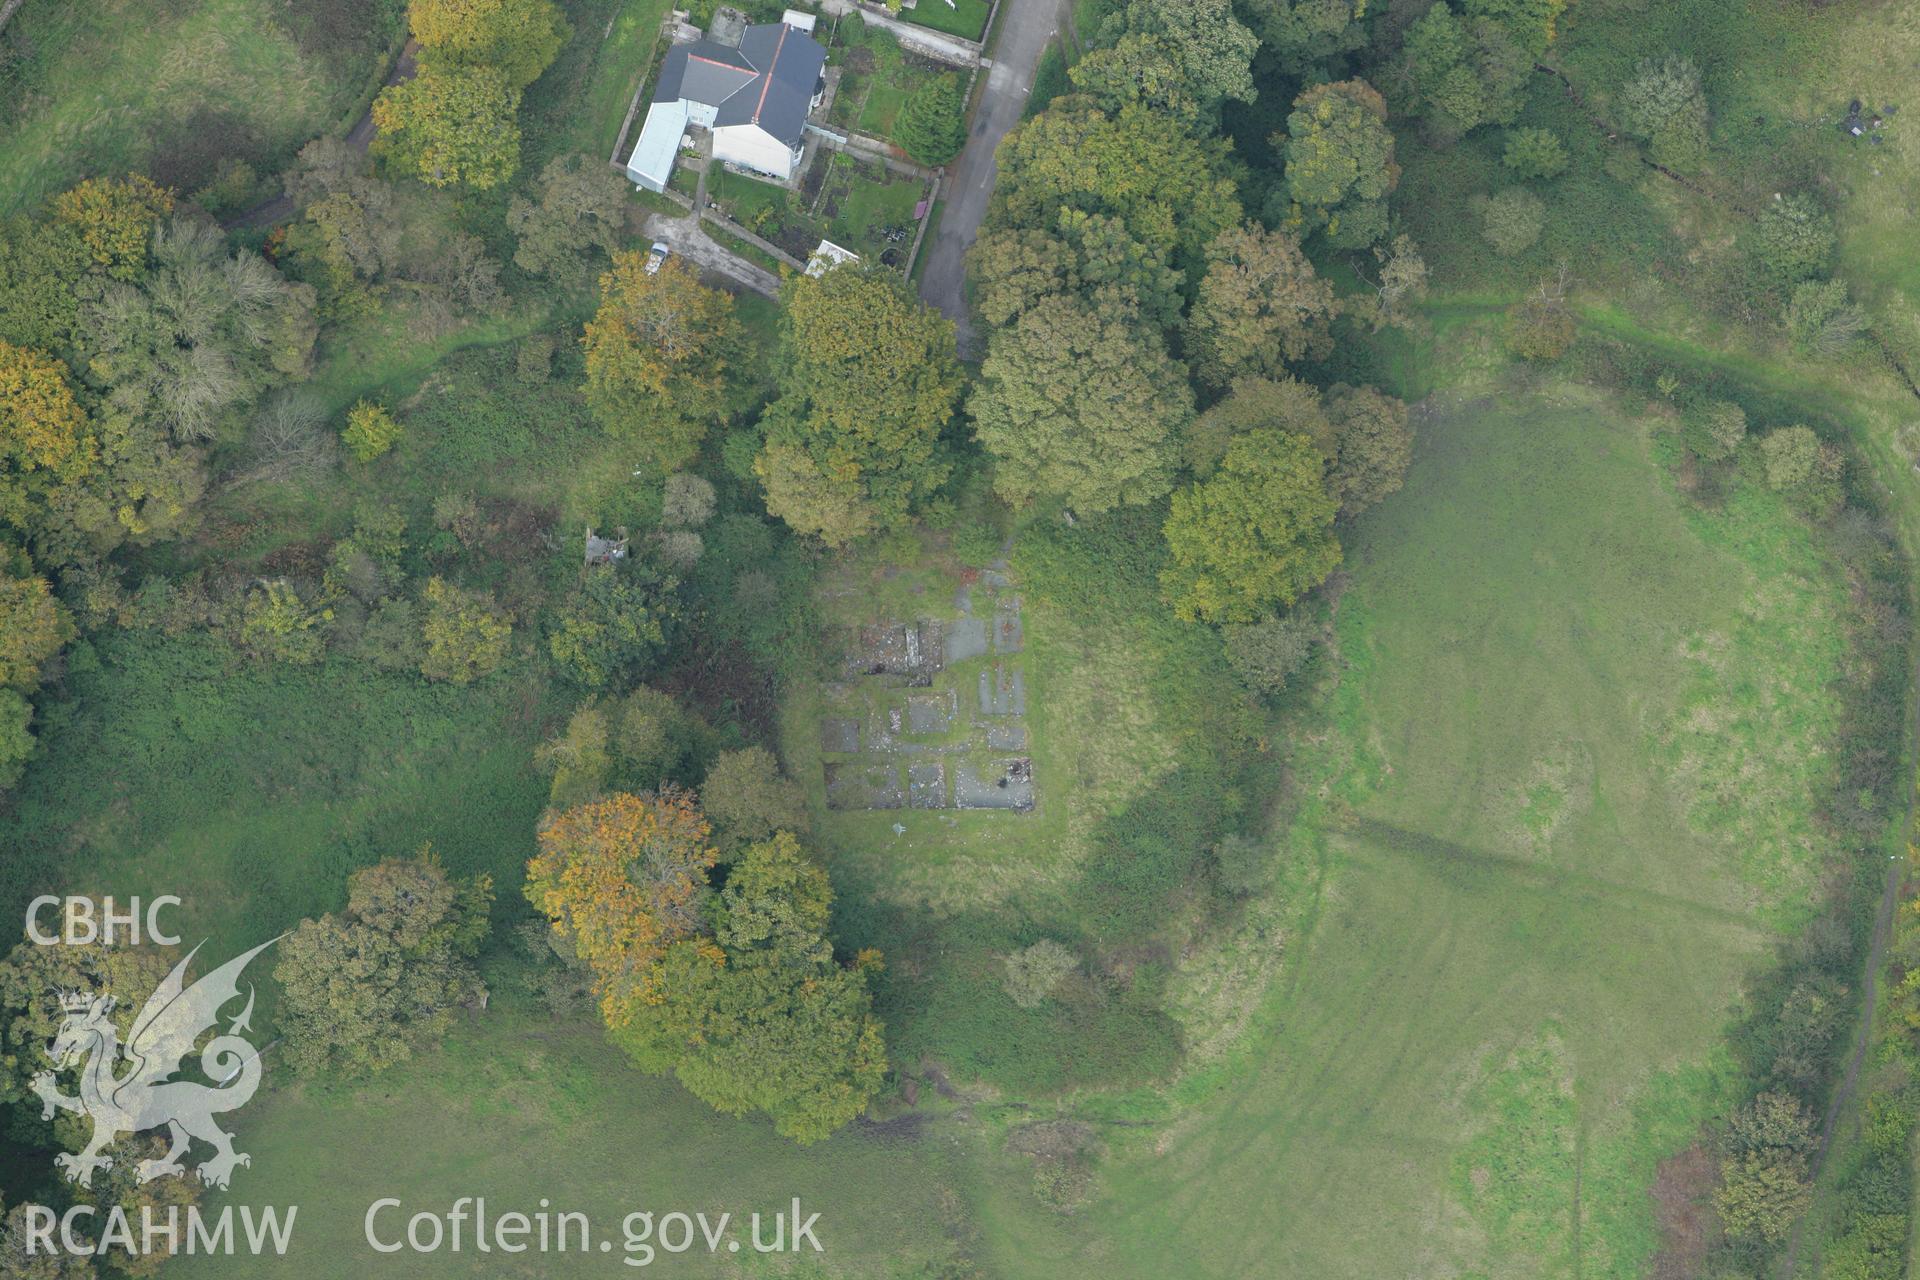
point(250, 792)
point(517, 1107)
point(1535, 918)
point(1126, 710)
point(168, 90)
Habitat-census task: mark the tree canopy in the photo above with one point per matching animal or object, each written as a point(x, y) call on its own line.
point(196, 340)
point(1465, 72)
point(1256, 534)
point(1170, 189)
point(737, 993)
point(114, 218)
point(452, 124)
point(1260, 308)
point(582, 208)
point(658, 350)
point(1339, 161)
point(749, 799)
point(933, 124)
point(767, 1020)
point(1080, 403)
point(868, 381)
point(623, 878)
point(518, 38)
point(33, 628)
point(41, 423)
point(361, 990)
point(1081, 253)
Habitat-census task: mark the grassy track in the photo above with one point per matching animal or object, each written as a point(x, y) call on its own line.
point(1538, 910)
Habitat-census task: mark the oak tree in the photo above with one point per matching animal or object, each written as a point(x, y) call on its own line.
point(749, 799)
point(360, 990)
point(1260, 307)
point(868, 381)
point(1079, 402)
point(763, 1017)
point(1256, 534)
point(1339, 161)
point(657, 352)
point(518, 38)
point(452, 124)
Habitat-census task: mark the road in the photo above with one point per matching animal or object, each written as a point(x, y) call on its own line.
point(1025, 29)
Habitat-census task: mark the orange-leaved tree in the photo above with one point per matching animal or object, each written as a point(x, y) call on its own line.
point(622, 878)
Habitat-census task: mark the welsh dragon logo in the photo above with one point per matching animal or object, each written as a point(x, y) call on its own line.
point(143, 1097)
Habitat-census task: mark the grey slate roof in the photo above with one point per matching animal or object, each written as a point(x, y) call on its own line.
point(703, 72)
point(769, 80)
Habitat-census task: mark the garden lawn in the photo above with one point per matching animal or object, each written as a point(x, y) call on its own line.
point(872, 205)
point(1541, 890)
point(964, 18)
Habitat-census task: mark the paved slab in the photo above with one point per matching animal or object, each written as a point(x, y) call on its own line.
point(840, 736)
point(864, 786)
point(966, 638)
point(685, 236)
point(1002, 784)
point(927, 785)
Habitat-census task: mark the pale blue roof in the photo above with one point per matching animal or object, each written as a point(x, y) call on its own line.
point(652, 161)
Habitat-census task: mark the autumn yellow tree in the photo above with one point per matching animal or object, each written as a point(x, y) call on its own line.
point(464, 633)
point(657, 351)
point(518, 37)
point(33, 627)
point(41, 424)
point(452, 124)
point(370, 430)
point(115, 219)
point(622, 880)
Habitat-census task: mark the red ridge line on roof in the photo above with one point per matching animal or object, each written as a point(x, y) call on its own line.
point(771, 64)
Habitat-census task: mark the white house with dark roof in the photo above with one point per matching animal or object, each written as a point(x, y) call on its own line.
point(755, 99)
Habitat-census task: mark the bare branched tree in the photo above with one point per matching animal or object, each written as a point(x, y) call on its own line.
point(289, 441)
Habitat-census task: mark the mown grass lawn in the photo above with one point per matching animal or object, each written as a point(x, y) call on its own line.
point(964, 18)
point(1536, 917)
